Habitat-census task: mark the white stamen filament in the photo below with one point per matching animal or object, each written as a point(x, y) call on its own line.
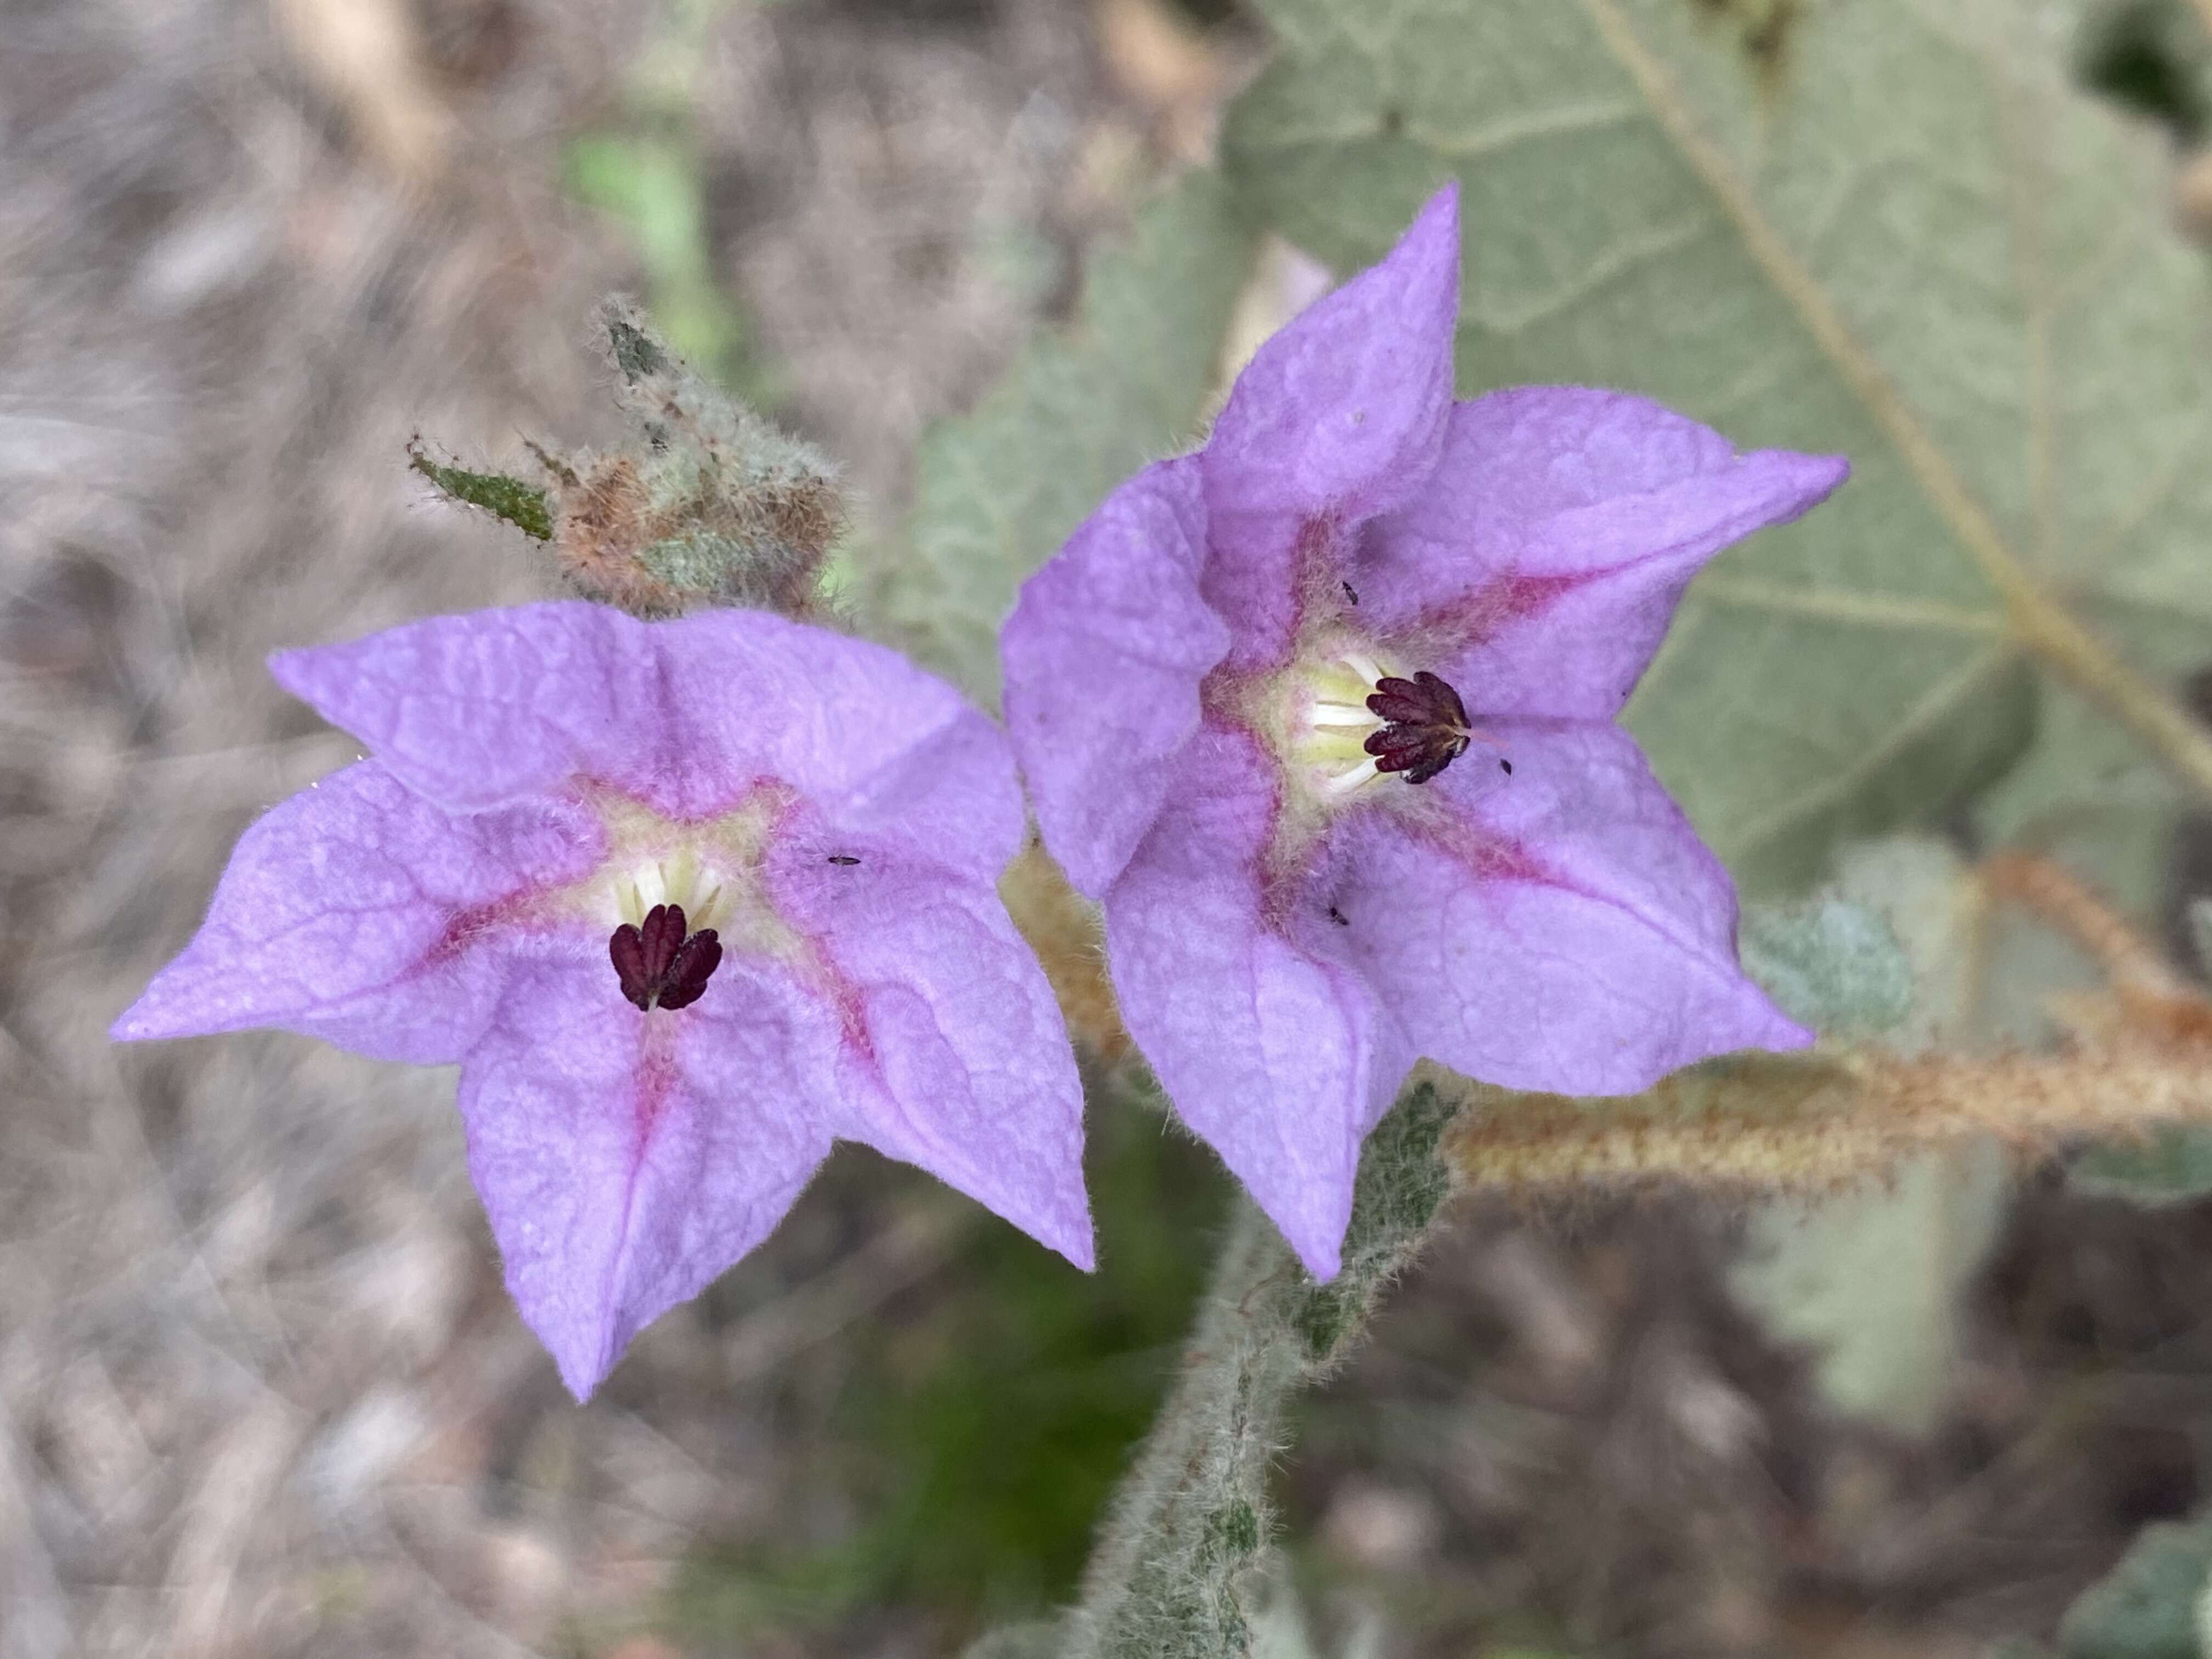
point(679, 880)
point(1329, 722)
point(1345, 782)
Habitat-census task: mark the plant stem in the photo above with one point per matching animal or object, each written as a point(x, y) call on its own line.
point(1178, 1554)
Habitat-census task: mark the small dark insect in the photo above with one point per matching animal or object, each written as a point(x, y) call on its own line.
point(1505, 766)
point(1338, 917)
point(843, 858)
point(1350, 595)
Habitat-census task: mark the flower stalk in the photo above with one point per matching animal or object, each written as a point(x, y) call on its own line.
point(1179, 1559)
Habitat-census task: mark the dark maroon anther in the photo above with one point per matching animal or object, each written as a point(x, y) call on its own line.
point(1428, 730)
point(660, 961)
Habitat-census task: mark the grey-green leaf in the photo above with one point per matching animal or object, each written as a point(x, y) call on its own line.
point(1905, 235)
point(2146, 1607)
point(2174, 1166)
point(1829, 962)
point(2087, 797)
point(1000, 489)
point(1868, 1281)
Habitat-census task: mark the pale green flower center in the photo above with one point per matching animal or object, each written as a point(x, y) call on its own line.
point(1326, 721)
point(710, 868)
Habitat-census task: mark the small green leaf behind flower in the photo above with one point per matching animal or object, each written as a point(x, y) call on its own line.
point(523, 504)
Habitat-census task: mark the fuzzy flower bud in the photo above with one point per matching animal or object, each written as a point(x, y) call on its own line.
point(715, 507)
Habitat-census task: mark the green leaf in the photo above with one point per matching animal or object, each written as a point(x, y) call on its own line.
point(657, 186)
point(2146, 1607)
point(2174, 1166)
point(1000, 489)
point(1869, 1280)
point(2087, 797)
point(2151, 56)
point(1892, 229)
point(523, 504)
point(1829, 963)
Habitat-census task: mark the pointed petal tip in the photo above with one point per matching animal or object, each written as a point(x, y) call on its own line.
point(1431, 241)
point(1825, 473)
point(581, 1383)
point(1065, 1231)
point(1784, 1035)
point(1805, 480)
point(1080, 1247)
point(584, 1353)
point(1315, 1234)
point(1758, 1026)
point(292, 669)
point(146, 1020)
point(1322, 1258)
point(1444, 206)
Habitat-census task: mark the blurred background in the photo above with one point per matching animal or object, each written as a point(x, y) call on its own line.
point(260, 1390)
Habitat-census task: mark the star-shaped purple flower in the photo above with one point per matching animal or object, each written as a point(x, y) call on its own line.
point(688, 901)
point(1323, 714)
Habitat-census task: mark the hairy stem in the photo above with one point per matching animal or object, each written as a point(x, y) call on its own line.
point(1176, 1560)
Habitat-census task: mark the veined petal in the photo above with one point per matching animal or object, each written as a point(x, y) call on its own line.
point(871, 740)
point(954, 1057)
point(687, 716)
point(360, 912)
point(1561, 928)
point(1265, 1052)
point(1339, 416)
point(1343, 409)
point(475, 710)
point(1539, 568)
point(626, 1159)
point(1104, 654)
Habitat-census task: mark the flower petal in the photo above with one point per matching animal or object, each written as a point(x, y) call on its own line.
point(477, 709)
point(1265, 1052)
point(1541, 567)
point(871, 740)
point(360, 912)
point(1104, 654)
point(626, 1159)
point(954, 1056)
point(688, 716)
point(1339, 416)
point(1561, 928)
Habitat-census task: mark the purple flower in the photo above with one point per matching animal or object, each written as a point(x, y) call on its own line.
point(1323, 714)
point(687, 901)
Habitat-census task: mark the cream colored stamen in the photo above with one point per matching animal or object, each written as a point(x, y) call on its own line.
point(1327, 721)
point(679, 880)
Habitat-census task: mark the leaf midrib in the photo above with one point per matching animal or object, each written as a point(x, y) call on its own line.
point(2040, 623)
